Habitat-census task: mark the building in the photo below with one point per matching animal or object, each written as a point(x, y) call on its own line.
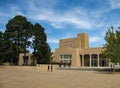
point(76, 52)
point(26, 60)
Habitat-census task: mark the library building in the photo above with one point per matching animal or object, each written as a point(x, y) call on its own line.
point(75, 52)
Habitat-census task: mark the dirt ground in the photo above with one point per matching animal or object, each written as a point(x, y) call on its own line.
point(30, 77)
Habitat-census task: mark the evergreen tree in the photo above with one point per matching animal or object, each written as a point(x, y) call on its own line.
point(41, 48)
point(5, 50)
point(1, 44)
point(18, 36)
point(26, 35)
point(18, 28)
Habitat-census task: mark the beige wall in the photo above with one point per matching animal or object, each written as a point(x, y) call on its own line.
point(44, 67)
point(70, 42)
point(73, 51)
point(83, 40)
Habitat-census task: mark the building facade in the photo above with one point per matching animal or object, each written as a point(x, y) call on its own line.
point(26, 59)
point(76, 52)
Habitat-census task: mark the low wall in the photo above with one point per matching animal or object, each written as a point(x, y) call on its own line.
point(44, 67)
point(6, 64)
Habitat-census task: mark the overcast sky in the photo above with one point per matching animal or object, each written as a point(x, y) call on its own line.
point(65, 18)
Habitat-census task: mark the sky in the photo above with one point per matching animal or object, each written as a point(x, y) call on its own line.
point(65, 18)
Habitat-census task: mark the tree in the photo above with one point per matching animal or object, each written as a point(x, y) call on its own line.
point(41, 48)
point(5, 49)
point(19, 35)
point(1, 40)
point(112, 46)
point(26, 35)
point(19, 29)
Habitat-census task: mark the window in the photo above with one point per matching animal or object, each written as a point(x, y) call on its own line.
point(66, 56)
point(94, 56)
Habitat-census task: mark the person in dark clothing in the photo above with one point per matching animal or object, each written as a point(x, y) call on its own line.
point(48, 67)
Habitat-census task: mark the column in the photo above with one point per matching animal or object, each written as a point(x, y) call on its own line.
point(98, 59)
point(82, 60)
point(90, 59)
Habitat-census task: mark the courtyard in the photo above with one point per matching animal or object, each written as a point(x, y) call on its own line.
point(30, 77)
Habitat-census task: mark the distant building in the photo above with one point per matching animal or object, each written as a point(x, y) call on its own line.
point(75, 52)
point(26, 60)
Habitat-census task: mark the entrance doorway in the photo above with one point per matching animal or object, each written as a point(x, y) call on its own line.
point(25, 60)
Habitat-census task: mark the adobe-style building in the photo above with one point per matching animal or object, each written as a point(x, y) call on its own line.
point(76, 52)
point(26, 60)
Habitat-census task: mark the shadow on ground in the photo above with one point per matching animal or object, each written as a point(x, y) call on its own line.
point(97, 70)
point(107, 71)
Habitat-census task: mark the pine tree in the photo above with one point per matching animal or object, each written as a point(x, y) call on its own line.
point(19, 29)
point(41, 48)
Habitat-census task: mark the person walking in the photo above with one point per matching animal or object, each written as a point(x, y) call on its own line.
point(48, 67)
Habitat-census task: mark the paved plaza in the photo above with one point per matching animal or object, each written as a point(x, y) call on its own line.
point(30, 77)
